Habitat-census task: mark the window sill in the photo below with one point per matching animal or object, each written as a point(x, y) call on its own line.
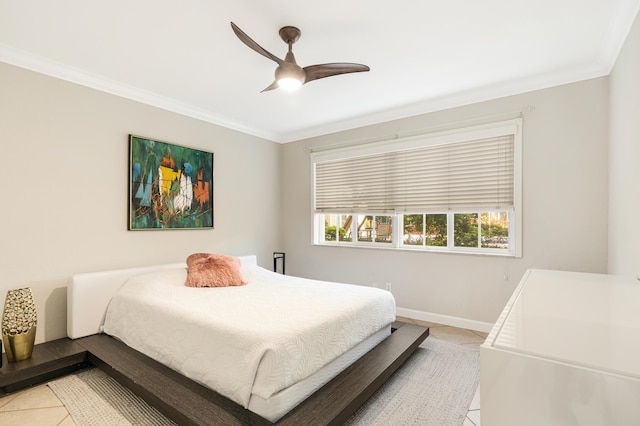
point(378, 246)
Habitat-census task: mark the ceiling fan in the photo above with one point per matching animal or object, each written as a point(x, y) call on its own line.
point(289, 75)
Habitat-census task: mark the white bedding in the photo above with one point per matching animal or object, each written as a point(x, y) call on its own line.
point(255, 339)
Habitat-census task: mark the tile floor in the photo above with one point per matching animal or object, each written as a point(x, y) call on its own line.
point(38, 405)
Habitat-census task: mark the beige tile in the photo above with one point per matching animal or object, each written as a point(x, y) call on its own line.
point(467, 422)
point(68, 421)
point(427, 324)
point(455, 335)
point(474, 416)
point(481, 334)
point(35, 397)
point(40, 416)
point(475, 345)
point(418, 322)
point(7, 399)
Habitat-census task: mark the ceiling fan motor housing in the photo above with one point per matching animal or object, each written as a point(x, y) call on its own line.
point(289, 71)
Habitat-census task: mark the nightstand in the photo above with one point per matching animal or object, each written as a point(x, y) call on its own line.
point(49, 360)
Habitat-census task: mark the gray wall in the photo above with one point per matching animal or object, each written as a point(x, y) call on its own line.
point(64, 189)
point(564, 208)
point(624, 159)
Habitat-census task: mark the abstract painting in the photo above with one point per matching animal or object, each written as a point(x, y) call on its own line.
point(170, 186)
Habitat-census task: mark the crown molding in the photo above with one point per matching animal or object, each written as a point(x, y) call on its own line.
point(41, 65)
point(482, 94)
point(65, 72)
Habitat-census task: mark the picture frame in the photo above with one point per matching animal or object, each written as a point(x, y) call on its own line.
point(170, 186)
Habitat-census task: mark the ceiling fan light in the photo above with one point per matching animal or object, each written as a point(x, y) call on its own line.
point(290, 76)
point(289, 83)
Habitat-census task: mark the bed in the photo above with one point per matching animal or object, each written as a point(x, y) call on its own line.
point(249, 352)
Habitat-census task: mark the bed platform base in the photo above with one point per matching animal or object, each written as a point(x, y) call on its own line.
point(189, 403)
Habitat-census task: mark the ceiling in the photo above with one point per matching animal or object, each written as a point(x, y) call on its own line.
point(424, 55)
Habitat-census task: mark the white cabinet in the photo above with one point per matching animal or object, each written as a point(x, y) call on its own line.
point(565, 351)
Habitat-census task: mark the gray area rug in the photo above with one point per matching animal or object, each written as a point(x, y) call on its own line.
point(434, 387)
point(95, 399)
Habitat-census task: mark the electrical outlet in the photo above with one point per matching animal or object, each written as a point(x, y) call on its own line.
point(374, 285)
point(388, 286)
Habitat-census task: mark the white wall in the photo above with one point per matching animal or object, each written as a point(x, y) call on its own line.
point(624, 159)
point(564, 196)
point(64, 189)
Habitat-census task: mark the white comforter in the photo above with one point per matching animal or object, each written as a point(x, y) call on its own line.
point(258, 338)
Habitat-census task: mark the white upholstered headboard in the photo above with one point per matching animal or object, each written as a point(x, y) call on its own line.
point(89, 294)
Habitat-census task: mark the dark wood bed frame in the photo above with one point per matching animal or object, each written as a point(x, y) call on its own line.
point(189, 403)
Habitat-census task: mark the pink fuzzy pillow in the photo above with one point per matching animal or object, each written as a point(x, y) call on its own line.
point(213, 270)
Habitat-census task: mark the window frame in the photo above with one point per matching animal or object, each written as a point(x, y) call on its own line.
point(506, 127)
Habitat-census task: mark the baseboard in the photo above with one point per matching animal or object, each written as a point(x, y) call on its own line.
point(485, 327)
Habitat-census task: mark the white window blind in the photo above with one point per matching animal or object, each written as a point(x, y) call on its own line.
point(474, 174)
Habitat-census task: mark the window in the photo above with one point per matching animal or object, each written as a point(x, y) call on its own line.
point(456, 191)
point(428, 230)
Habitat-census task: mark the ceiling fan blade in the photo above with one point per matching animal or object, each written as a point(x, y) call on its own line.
point(255, 46)
point(314, 72)
point(272, 86)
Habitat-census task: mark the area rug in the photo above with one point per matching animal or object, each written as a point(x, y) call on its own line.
point(434, 387)
point(95, 399)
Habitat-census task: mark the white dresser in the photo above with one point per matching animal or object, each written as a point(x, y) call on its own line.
point(565, 351)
